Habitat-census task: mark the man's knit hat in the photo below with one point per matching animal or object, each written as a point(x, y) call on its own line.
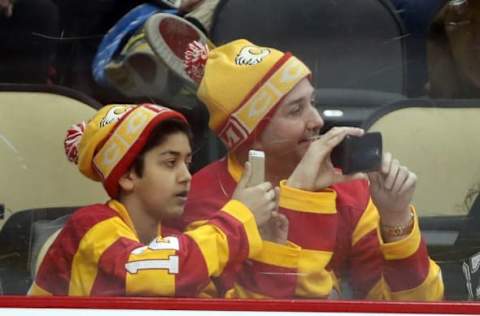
point(105, 147)
point(241, 84)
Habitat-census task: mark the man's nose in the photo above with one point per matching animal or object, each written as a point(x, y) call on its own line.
point(315, 120)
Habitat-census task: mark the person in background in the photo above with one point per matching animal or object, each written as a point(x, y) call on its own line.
point(27, 28)
point(453, 51)
point(417, 17)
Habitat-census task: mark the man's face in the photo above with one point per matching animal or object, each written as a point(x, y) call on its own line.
point(162, 189)
point(287, 135)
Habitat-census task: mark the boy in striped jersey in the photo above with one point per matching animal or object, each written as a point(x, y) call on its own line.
point(142, 154)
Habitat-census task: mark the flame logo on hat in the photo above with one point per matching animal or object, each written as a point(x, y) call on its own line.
point(251, 55)
point(114, 114)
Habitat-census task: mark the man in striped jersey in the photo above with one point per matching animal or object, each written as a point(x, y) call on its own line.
point(345, 227)
point(142, 154)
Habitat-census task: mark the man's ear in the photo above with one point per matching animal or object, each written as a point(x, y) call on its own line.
point(127, 180)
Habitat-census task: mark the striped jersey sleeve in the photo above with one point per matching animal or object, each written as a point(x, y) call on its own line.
point(400, 270)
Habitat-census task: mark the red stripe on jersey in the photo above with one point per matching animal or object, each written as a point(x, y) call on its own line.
point(193, 272)
point(237, 237)
point(277, 281)
point(312, 230)
point(55, 270)
point(366, 264)
point(407, 273)
point(111, 273)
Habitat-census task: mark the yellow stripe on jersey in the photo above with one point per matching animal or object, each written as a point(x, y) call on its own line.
point(323, 202)
point(431, 288)
point(380, 291)
point(313, 281)
point(215, 252)
point(240, 212)
point(123, 213)
point(85, 261)
point(403, 248)
point(159, 278)
point(368, 222)
point(234, 167)
point(239, 291)
point(35, 290)
point(285, 256)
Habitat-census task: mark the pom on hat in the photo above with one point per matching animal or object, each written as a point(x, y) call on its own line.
point(195, 59)
point(74, 135)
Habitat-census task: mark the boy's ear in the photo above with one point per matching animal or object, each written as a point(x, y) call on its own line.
point(126, 181)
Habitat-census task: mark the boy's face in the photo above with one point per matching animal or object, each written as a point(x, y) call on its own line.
point(162, 189)
point(287, 134)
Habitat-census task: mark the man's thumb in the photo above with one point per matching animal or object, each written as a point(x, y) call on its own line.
point(246, 175)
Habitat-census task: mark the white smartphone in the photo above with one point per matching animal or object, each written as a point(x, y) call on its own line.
point(257, 162)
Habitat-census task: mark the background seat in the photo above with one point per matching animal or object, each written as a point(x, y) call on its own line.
point(20, 243)
point(351, 44)
point(35, 171)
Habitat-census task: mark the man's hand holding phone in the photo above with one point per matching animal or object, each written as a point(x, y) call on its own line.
point(316, 171)
point(392, 190)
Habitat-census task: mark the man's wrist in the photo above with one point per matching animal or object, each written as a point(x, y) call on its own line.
point(397, 232)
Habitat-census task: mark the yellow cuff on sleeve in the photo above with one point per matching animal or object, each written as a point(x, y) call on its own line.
point(323, 202)
point(403, 248)
point(285, 256)
point(35, 290)
point(241, 213)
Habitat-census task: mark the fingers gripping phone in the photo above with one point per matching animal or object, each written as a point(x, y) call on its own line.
point(257, 163)
point(358, 154)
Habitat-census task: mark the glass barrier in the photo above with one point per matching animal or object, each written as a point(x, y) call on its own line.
point(151, 197)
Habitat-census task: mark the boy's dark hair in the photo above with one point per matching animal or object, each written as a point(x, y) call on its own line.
point(157, 137)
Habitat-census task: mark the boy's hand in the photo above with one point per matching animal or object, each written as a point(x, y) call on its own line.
point(316, 171)
point(276, 229)
point(392, 191)
point(261, 199)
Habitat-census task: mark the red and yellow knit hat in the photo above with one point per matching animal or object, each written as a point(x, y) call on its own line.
point(105, 147)
point(241, 84)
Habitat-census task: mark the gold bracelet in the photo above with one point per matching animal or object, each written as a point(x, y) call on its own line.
point(398, 230)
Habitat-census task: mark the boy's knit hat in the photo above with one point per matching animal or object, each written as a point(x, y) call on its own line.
point(105, 147)
point(241, 84)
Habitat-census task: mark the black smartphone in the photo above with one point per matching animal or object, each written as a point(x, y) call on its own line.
point(358, 154)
